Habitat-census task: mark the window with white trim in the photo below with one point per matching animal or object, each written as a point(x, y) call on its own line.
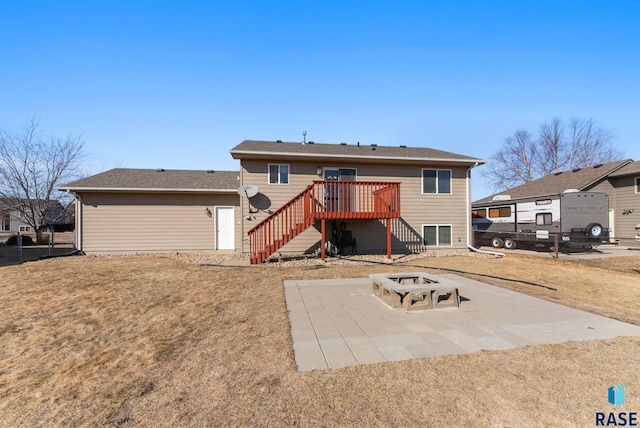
point(25, 228)
point(637, 184)
point(436, 181)
point(437, 235)
point(278, 174)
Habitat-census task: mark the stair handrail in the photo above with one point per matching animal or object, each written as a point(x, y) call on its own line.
point(284, 207)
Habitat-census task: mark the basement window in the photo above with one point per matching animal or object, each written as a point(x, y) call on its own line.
point(436, 235)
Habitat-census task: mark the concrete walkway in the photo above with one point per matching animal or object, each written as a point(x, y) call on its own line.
point(337, 323)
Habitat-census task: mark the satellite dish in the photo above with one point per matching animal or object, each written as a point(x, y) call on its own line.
point(248, 190)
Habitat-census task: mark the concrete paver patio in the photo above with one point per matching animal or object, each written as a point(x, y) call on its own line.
point(337, 323)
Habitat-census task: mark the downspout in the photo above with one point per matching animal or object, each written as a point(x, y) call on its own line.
point(77, 232)
point(242, 217)
point(469, 246)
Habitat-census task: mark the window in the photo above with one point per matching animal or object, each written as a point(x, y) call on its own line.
point(499, 212)
point(543, 219)
point(25, 228)
point(637, 184)
point(278, 174)
point(436, 181)
point(479, 213)
point(436, 235)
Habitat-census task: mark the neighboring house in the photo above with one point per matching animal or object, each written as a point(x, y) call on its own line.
point(626, 185)
point(382, 199)
point(11, 220)
point(620, 180)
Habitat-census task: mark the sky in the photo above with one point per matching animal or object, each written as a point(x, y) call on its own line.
point(177, 84)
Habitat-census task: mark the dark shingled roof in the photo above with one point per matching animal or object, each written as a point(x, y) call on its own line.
point(125, 179)
point(579, 178)
point(264, 149)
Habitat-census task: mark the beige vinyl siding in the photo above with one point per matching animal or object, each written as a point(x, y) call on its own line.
point(607, 187)
point(416, 208)
point(626, 199)
point(152, 222)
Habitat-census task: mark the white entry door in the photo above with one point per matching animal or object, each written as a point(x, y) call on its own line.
point(225, 228)
point(612, 221)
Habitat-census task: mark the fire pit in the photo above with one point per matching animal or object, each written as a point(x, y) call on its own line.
point(415, 291)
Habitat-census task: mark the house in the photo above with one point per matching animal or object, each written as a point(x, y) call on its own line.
point(12, 220)
point(286, 198)
point(620, 180)
point(156, 209)
point(626, 200)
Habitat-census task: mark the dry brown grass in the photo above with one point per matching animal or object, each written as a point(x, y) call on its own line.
point(157, 342)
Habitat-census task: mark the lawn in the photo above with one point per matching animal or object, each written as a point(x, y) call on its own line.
point(155, 341)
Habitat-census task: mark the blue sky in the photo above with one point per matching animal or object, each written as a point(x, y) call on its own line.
point(177, 84)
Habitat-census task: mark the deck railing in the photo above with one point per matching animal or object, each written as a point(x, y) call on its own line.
point(356, 199)
point(324, 199)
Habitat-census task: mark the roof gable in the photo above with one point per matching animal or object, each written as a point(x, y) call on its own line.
point(157, 180)
point(250, 149)
point(578, 178)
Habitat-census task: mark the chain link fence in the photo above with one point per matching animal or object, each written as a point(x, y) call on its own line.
point(17, 248)
point(619, 253)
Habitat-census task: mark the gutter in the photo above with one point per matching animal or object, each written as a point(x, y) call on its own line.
point(268, 154)
point(143, 189)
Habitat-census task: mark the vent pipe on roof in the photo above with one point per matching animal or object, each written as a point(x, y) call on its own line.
point(304, 137)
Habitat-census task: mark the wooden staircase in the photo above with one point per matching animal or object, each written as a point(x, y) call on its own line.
point(323, 200)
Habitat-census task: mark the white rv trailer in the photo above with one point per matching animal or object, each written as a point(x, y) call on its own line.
point(580, 219)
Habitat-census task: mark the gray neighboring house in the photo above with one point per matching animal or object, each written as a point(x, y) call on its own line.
point(620, 180)
point(626, 194)
point(11, 220)
point(161, 210)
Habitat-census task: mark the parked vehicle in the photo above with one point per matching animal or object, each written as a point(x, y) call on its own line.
point(580, 219)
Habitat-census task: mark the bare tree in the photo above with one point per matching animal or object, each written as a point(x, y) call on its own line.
point(31, 166)
point(556, 147)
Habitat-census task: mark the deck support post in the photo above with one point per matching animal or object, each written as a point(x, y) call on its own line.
point(323, 240)
point(388, 238)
